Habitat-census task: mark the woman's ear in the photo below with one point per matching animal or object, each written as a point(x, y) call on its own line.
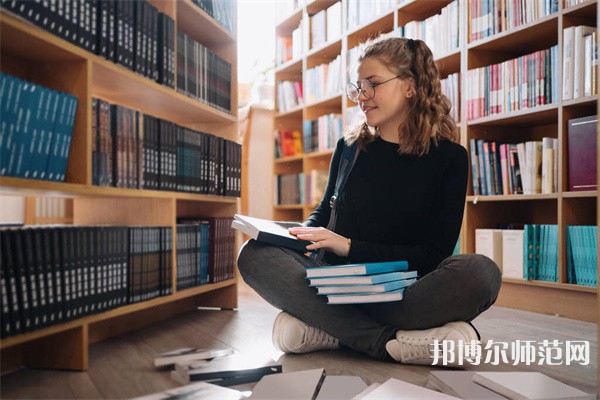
point(410, 92)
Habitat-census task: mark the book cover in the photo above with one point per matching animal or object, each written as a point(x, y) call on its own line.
point(512, 253)
point(528, 386)
point(581, 138)
point(196, 390)
point(187, 354)
point(380, 288)
point(341, 387)
point(488, 242)
point(299, 385)
point(398, 390)
point(357, 269)
point(273, 232)
point(460, 384)
point(395, 295)
point(362, 280)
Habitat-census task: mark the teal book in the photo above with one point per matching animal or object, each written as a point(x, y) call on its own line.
point(378, 288)
point(362, 280)
point(357, 269)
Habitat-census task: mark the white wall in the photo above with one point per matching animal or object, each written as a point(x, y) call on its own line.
point(260, 164)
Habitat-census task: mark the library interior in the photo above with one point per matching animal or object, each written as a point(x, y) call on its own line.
point(144, 218)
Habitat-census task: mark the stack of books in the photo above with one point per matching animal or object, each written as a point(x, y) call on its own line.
point(362, 283)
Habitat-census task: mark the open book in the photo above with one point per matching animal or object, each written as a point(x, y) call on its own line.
point(272, 232)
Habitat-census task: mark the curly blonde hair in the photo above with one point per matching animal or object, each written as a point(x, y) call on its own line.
point(428, 117)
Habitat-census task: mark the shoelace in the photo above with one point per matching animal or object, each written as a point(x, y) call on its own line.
point(417, 348)
point(317, 337)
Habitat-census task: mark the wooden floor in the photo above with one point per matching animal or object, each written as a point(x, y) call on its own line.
point(122, 367)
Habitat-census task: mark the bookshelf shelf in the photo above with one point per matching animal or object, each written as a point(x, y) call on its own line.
point(332, 101)
point(324, 53)
point(582, 194)
point(37, 187)
point(541, 32)
point(585, 9)
point(319, 154)
point(292, 67)
point(295, 112)
point(381, 24)
point(116, 312)
point(289, 206)
point(190, 16)
point(289, 159)
point(515, 197)
point(315, 6)
point(536, 115)
point(31, 53)
point(289, 23)
point(561, 208)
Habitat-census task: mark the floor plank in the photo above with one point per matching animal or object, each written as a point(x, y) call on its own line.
point(122, 367)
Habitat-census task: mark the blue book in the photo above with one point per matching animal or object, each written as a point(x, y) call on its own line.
point(377, 288)
point(362, 280)
point(395, 295)
point(357, 269)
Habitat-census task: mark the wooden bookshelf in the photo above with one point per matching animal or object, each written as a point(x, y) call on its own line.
point(562, 208)
point(33, 54)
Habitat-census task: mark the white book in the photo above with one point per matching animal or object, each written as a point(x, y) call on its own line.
point(196, 390)
point(341, 387)
point(488, 242)
point(361, 298)
point(587, 65)
point(512, 253)
point(394, 389)
point(187, 354)
point(529, 386)
point(334, 21)
point(580, 32)
point(547, 165)
point(461, 385)
point(568, 68)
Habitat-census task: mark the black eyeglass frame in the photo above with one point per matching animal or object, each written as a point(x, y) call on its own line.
point(355, 88)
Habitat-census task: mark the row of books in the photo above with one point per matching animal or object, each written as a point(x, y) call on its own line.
point(289, 95)
point(362, 12)
point(326, 25)
point(133, 34)
point(322, 134)
point(376, 282)
point(205, 251)
point(489, 17)
point(202, 74)
point(37, 127)
point(582, 255)
point(289, 189)
point(223, 11)
point(524, 82)
point(315, 183)
point(451, 89)
point(580, 62)
point(57, 273)
point(531, 252)
point(288, 143)
point(323, 80)
point(286, 49)
point(440, 31)
point(507, 168)
point(51, 207)
point(134, 150)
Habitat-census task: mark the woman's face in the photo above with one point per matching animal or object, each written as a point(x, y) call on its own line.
point(388, 108)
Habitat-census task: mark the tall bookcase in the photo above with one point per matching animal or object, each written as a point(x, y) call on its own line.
point(561, 208)
point(33, 54)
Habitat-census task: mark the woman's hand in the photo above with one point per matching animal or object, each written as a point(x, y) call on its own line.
point(323, 239)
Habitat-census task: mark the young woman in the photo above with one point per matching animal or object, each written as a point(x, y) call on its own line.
point(403, 200)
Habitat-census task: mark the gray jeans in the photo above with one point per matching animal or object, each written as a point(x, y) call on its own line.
point(460, 289)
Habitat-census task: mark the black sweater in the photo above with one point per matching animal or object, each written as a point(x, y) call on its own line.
point(398, 207)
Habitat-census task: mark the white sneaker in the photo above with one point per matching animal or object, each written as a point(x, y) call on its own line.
point(416, 347)
point(291, 335)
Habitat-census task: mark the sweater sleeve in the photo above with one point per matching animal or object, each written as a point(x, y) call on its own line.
point(442, 225)
point(320, 215)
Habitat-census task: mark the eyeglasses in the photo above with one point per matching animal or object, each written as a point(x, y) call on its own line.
point(366, 87)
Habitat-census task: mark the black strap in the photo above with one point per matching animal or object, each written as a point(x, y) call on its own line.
point(347, 161)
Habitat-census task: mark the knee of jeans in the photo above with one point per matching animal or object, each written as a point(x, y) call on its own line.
point(248, 252)
point(483, 273)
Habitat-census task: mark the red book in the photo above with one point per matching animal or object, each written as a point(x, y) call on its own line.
point(582, 139)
